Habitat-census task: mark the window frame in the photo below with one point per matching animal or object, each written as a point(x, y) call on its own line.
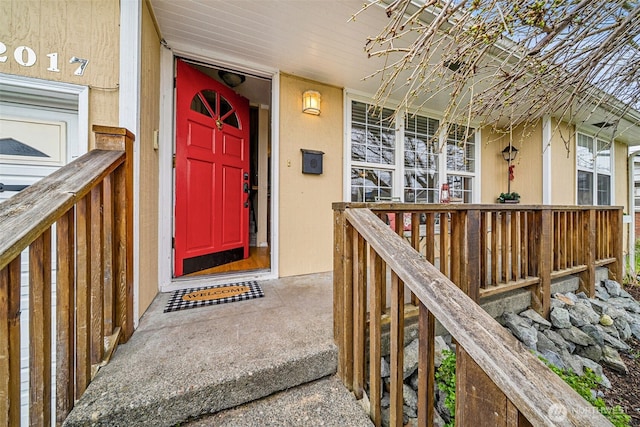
point(594, 170)
point(398, 168)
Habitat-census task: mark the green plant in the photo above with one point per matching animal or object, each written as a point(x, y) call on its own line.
point(508, 196)
point(583, 386)
point(446, 380)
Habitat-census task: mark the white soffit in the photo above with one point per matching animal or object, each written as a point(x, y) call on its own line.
point(308, 38)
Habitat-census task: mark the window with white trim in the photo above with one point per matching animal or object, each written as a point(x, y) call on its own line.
point(593, 158)
point(404, 162)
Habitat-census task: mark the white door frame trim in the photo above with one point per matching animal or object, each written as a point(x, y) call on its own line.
point(129, 117)
point(166, 281)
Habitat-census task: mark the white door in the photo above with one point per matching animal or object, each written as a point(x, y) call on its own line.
point(34, 142)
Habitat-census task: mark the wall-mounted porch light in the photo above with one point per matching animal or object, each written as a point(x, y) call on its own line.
point(509, 155)
point(311, 102)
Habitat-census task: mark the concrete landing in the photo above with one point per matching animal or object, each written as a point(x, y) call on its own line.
point(181, 365)
point(325, 402)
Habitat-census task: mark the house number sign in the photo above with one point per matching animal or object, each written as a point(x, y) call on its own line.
point(27, 57)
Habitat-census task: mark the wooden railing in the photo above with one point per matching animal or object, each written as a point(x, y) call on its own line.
point(491, 249)
point(498, 381)
point(90, 203)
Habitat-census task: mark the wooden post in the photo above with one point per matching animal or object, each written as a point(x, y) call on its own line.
point(479, 401)
point(541, 294)
point(338, 282)
point(615, 232)
point(588, 277)
point(10, 344)
point(346, 355)
point(112, 138)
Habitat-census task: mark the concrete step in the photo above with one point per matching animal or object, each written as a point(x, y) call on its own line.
point(182, 365)
point(325, 402)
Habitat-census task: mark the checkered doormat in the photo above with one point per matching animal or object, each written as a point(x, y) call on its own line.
point(210, 295)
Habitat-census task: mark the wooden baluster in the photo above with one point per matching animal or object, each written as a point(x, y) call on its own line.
point(415, 242)
point(65, 315)
point(564, 233)
point(515, 244)
point(524, 244)
point(107, 248)
point(83, 296)
point(494, 248)
point(375, 333)
point(444, 243)
point(40, 330)
point(396, 350)
point(430, 238)
point(96, 285)
point(504, 234)
point(615, 233)
point(426, 366)
point(10, 343)
point(571, 231)
point(484, 250)
point(458, 219)
point(359, 312)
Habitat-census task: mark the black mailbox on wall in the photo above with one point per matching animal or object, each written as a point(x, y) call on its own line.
point(311, 161)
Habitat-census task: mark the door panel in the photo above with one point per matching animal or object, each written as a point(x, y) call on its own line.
point(212, 167)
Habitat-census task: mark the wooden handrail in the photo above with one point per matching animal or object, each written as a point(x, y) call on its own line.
point(27, 214)
point(528, 386)
point(89, 201)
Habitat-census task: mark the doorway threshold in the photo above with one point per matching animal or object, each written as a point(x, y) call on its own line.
point(217, 279)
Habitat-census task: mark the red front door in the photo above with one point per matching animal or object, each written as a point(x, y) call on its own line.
point(212, 173)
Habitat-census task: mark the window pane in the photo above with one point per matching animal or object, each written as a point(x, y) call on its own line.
point(370, 185)
point(461, 149)
point(604, 189)
point(420, 160)
point(603, 161)
point(460, 188)
point(585, 188)
point(373, 137)
point(198, 106)
point(585, 152)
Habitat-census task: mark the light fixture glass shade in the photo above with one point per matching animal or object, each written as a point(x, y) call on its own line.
point(311, 102)
point(509, 153)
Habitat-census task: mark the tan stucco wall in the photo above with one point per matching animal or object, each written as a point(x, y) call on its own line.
point(149, 121)
point(563, 163)
point(528, 164)
point(306, 219)
point(87, 29)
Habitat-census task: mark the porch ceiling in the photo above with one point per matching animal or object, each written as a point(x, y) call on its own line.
point(307, 38)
